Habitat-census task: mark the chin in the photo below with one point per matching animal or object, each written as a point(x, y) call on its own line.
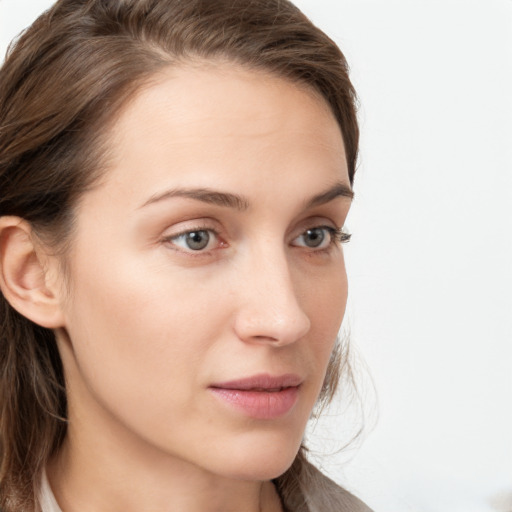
point(261, 460)
point(262, 471)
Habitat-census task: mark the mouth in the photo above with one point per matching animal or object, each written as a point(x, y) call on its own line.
point(260, 396)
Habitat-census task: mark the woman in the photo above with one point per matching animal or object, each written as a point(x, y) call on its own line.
point(174, 181)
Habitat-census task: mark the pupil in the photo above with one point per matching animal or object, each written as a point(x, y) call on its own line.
point(314, 237)
point(198, 240)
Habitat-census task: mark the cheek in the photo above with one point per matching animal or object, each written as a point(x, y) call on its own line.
point(139, 306)
point(141, 338)
point(147, 337)
point(324, 298)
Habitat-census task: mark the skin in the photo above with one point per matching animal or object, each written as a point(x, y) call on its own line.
point(149, 324)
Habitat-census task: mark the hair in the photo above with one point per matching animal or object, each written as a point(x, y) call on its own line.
point(64, 81)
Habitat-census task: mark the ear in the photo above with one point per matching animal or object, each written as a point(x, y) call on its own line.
point(25, 275)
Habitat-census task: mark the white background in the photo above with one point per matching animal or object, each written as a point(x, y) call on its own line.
point(431, 256)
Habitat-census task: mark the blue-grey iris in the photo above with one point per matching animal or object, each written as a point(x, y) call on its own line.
point(314, 237)
point(197, 240)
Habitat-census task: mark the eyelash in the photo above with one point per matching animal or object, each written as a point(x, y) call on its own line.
point(337, 236)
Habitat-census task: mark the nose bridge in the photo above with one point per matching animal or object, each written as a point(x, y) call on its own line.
point(269, 309)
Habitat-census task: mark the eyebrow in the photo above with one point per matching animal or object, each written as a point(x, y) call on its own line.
point(230, 200)
point(204, 195)
point(338, 190)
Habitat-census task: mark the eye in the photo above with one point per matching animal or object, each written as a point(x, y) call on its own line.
point(194, 240)
point(320, 237)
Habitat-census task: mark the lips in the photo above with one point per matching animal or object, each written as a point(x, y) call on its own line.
point(262, 382)
point(260, 396)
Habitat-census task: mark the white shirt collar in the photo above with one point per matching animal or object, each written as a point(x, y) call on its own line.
point(47, 501)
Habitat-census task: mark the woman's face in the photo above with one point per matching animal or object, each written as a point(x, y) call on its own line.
point(206, 283)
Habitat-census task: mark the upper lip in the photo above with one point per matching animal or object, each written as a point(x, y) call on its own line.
point(261, 382)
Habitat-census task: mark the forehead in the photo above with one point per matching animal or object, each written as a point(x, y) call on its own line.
point(224, 125)
point(225, 99)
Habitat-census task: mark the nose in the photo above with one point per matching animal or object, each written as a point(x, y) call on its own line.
point(268, 307)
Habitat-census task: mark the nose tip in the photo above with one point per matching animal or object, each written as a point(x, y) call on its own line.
point(270, 312)
point(274, 326)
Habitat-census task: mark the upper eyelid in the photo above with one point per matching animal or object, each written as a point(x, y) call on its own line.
point(334, 232)
point(212, 225)
point(187, 231)
point(192, 225)
point(312, 223)
point(191, 230)
point(297, 232)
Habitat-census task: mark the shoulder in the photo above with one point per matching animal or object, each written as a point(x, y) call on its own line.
point(326, 495)
point(312, 491)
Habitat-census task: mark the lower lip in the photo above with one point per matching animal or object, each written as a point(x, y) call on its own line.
point(262, 405)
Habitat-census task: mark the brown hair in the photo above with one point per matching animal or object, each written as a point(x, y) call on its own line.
point(63, 83)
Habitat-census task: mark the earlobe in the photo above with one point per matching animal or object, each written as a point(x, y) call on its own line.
point(23, 276)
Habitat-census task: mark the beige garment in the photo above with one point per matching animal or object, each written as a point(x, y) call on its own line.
point(47, 502)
